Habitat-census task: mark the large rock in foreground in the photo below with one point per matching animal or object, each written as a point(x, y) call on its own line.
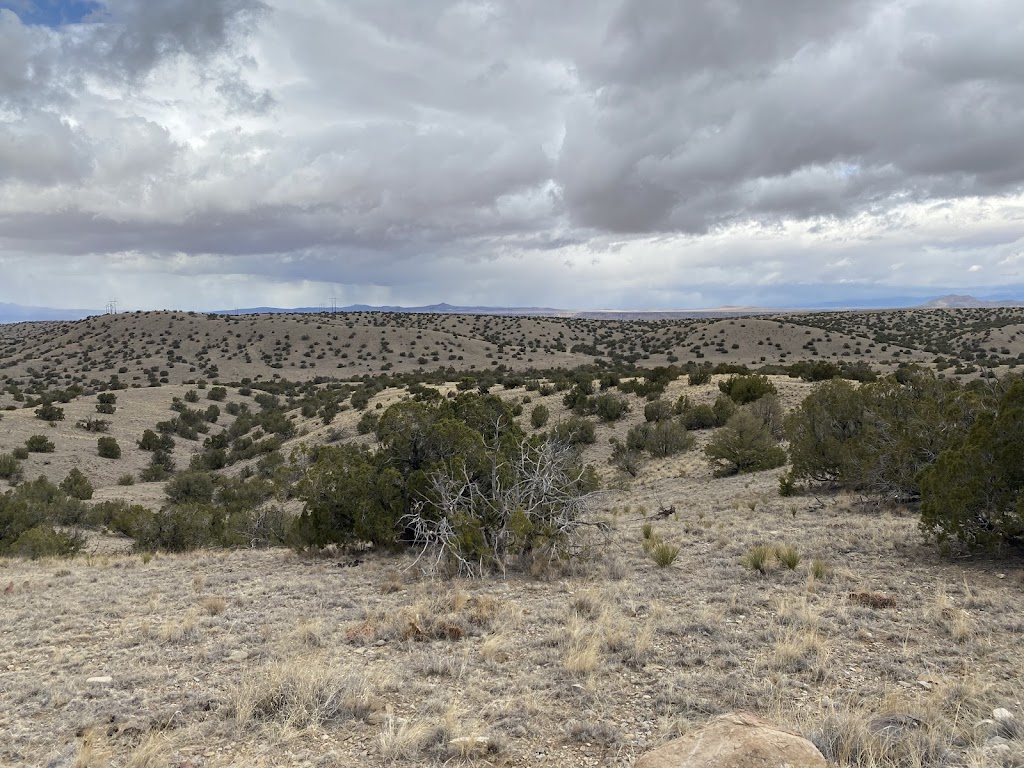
point(735, 741)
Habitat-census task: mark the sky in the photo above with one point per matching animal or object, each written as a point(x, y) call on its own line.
point(580, 154)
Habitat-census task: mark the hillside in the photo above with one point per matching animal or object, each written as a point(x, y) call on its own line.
point(146, 348)
point(259, 655)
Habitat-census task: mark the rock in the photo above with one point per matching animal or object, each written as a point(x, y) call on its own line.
point(999, 714)
point(238, 656)
point(736, 741)
point(100, 680)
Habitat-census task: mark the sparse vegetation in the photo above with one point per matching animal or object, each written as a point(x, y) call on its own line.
point(440, 482)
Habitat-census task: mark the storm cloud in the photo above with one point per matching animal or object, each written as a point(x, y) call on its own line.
point(606, 153)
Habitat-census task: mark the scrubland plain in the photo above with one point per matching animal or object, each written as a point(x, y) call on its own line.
point(825, 611)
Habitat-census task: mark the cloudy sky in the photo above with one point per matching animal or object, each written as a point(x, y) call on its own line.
point(581, 154)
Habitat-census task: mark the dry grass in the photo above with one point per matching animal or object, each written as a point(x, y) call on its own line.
point(309, 659)
point(300, 693)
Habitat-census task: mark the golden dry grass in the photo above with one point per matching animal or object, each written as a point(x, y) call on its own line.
point(319, 663)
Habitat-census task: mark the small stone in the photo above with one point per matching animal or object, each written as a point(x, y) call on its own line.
point(100, 680)
point(237, 656)
point(999, 714)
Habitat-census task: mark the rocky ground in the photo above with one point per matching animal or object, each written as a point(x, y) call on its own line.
point(266, 658)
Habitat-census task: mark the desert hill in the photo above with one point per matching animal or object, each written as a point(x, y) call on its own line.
point(145, 348)
point(847, 619)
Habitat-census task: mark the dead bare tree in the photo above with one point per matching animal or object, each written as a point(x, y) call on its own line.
point(531, 505)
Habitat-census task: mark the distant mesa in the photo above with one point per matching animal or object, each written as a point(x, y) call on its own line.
point(957, 301)
point(435, 309)
point(16, 313)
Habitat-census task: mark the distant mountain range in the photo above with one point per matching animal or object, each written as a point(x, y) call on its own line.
point(437, 309)
point(16, 313)
point(956, 301)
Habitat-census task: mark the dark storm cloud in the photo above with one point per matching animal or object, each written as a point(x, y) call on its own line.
point(136, 35)
point(348, 141)
point(122, 40)
point(714, 112)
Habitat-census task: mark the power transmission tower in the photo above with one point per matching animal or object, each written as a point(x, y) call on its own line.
point(112, 307)
point(334, 305)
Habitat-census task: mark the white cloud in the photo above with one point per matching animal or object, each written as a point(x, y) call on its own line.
point(603, 153)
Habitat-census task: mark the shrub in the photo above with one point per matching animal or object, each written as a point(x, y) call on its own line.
point(629, 460)
point(769, 410)
point(106, 398)
point(217, 393)
point(10, 468)
point(28, 514)
point(660, 439)
point(90, 424)
point(539, 416)
point(126, 479)
point(636, 437)
point(178, 528)
point(815, 370)
point(537, 516)
point(744, 445)
point(699, 376)
point(191, 488)
point(77, 485)
point(105, 408)
point(723, 408)
point(609, 407)
point(20, 453)
point(367, 422)
point(822, 429)
point(191, 396)
point(161, 465)
point(575, 431)
point(879, 437)
point(45, 541)
point(759, 558)
point(974, 493)
point(667, 438)
point(108, 448)
point(698, 417)
point(664, 554)
point(50, 412)
point(657, 410)
point(151, 441)
point(747, 389)
point(787, 485)
point(788, 555)
point(39, 444)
